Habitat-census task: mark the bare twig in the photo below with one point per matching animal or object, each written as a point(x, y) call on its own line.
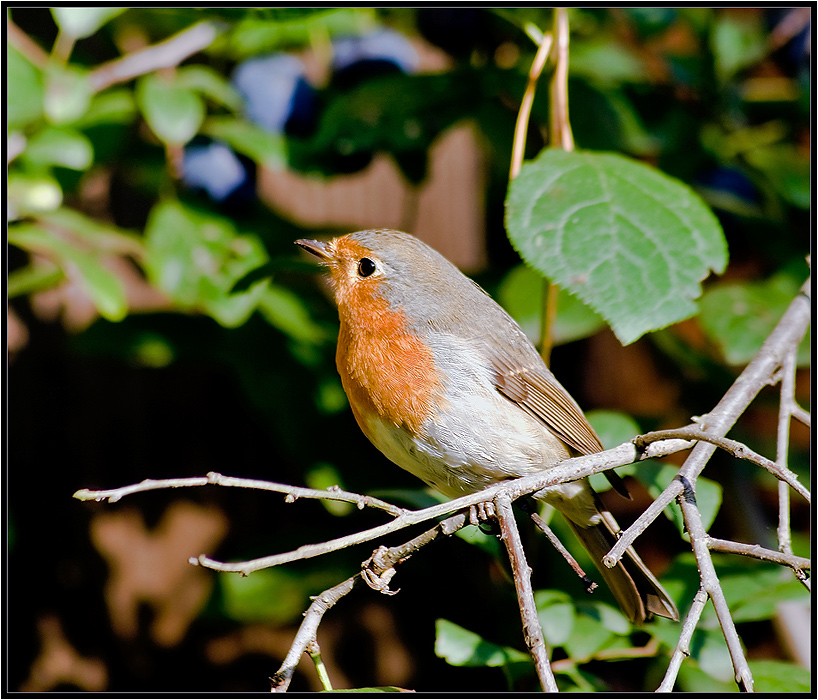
point(756, 375)
point(314, 652)
point(735, 448)
point(682, 649)
point(710, 583)
point(761, 553)
point(63, 46)
point(560, 125)
point(590, 585)
point(524, 113)
point(569, 470)
point(801, 415)
point(561, 137)
point(627, 538)
point(306, 632)
point(26, 45)
point(165, 54)
point(787, 398)
point(379, 563)
point(293, 492)
point(532, 630)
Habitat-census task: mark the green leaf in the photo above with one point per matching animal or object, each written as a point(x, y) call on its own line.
point(788, 170)
point(32, 194)
point(270, 595)
point(100, 235)
point(474, 536)
point(605, 61)
point(232, 310)
point(68, 94)
point(210, 83)
point(33, 278)
point(102, 286)
point(249, 139)
point(60, 146)
point(710, 650)
point(754, 595)
point(693, 680)
point(291, 27)
point(556, 612)
point(324, 476)
point(613, 428)
point(25, 83)
point(173, 112)
point(736, 43)
point(588, 636)
point(629, 241)
point(657, 477)
point(521, 294)
point(739, 317)
point(115, 106)
point(285, 310)
point(460, 647)
point(779, 677)
point(80, 22)
point(197, 257)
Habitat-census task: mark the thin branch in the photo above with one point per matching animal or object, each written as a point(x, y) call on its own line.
point(63, 46)
point(532, 630)
point(165, 54)
point(381, 561)
point(21, 41)
point(787, 398)
point(682, 649)
point(561, 137)
point(590, 586)
point(801, 415)
point(710, 583)
point(560, 125)
point(568, 470)
point(628, 537)
point(293, 492)
point(761, 553)
point(524, 114)
point(648, 650)
point(735, 448)
point(314, 652)
point(756, 376)
point(306, 632)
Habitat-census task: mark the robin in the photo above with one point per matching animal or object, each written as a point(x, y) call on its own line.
point(447, 386)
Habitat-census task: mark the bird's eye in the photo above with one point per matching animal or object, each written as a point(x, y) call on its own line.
point(366, 267)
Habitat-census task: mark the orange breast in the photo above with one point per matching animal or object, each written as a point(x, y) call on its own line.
point(384, 368)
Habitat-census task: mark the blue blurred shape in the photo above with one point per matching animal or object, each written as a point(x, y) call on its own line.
point(731, 181)
point(381, 45)
point(214, 168)
point(274, 87)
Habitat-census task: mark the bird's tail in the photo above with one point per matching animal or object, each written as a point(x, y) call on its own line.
point(635, 588)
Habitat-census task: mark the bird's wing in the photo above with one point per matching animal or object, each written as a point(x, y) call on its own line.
point(543, 397)
point(536, 391)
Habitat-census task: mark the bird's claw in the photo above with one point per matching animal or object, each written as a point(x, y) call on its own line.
point(378, 582)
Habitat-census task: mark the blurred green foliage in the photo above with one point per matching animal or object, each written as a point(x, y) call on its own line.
point(191, 285)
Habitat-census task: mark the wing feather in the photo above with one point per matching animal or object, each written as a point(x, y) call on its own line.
point(536, 391)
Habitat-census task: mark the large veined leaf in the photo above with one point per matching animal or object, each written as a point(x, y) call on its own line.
point(629, 241)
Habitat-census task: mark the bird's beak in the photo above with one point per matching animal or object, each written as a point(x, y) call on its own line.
point(319, 249)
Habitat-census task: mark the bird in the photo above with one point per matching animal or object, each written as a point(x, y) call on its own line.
point(447, 386)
